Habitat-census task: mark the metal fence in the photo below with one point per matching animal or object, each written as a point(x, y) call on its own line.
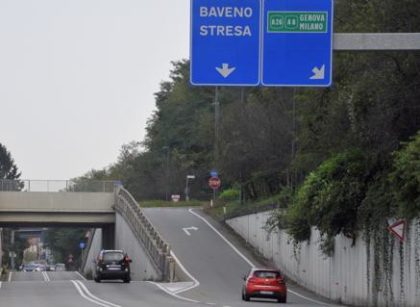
point(107, 186)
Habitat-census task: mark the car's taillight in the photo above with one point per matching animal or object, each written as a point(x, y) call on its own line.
point(253, 280)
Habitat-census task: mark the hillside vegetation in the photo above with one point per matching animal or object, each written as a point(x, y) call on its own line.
point(343, 158)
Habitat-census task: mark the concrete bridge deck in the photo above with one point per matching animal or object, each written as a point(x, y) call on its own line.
point(55, 208)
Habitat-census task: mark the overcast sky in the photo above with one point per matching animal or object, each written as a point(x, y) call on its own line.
point(77, 78)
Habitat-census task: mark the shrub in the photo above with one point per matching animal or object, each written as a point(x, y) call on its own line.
point(406, 178)
point(230, 195)
point(329, 198)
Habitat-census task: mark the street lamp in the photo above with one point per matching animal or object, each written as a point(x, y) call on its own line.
point(187, 198)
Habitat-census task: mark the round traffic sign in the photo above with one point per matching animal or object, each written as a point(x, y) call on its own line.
point(214, 183)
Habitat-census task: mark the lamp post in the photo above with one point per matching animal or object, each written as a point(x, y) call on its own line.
point(187, 197)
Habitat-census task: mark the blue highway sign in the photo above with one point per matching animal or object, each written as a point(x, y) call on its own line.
point(297, 42)
point(225, 42)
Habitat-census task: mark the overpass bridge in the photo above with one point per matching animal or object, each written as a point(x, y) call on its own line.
point(102, 205)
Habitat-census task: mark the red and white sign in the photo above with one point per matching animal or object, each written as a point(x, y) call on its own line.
point(214, 183)
point(398, 229)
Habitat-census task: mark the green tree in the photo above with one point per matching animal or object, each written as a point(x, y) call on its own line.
point(8, 168)
point(406, 178)
point(64, 241)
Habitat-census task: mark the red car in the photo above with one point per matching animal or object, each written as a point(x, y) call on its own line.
point(264, 283)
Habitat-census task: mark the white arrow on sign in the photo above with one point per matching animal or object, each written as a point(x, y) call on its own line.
point(319, 73)
point(186, 230)
point(225, 71)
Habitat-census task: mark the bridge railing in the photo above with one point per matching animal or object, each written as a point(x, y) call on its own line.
point(158, 250)
point(77, 185)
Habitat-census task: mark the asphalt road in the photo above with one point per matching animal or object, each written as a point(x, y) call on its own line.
point(213, 258)
point(69, 289)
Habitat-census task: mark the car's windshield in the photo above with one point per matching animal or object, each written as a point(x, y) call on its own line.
point(266, 274)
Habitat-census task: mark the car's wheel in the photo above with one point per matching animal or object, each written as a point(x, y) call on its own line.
point(97, 279)
point(282, 299)
point(126, 280)
point(245, 296)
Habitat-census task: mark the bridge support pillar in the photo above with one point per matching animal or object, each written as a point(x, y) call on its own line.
point(108, 237)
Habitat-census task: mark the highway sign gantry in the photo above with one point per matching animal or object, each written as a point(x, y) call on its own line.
point(297, 43)
point(268, 42)
point(225, 42)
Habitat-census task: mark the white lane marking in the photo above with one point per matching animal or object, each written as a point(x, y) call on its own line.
point(195, 284)
point(220, 235)
point(308, 299)
point(83, 278)
point(178, 290)
point(172, 293)
point(45, 275)
point(0, 284)
point(86, 297)
point(10, 277)
point(93, 296)
point(248, 261)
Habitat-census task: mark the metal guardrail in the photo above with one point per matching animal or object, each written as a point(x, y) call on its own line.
point(158, 250)
point(106, 186)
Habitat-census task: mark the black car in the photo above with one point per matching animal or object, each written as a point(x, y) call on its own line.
point(112, 264)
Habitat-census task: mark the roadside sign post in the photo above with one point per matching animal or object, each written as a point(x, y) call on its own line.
point(214, 183)
point(297, 43)
point(187, 190)
point(225, 42)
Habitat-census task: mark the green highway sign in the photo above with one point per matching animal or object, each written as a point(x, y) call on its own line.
point(297, 22)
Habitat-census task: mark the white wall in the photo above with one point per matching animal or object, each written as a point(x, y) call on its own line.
point(93, 252)
point(349, 276)
point(141, 268)
point(1, 250)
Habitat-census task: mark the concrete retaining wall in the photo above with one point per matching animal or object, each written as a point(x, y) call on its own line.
point(358, 275)
point(95, 248)
point(1, 251)
point(141, 268)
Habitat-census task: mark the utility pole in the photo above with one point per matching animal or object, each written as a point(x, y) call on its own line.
point(12, 253)
point(167, 174)
point(216, 125)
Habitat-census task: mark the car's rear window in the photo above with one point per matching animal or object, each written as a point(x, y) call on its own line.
point(113, 256)
point(266, 274)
